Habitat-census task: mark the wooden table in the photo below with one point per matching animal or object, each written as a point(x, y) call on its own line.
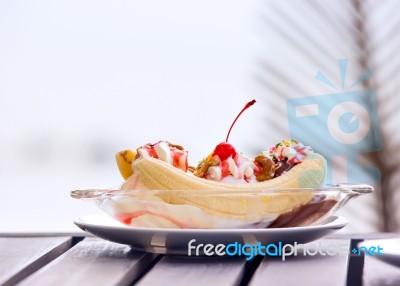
point(78, 259)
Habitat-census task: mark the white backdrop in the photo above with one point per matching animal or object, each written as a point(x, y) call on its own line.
point(81, 80)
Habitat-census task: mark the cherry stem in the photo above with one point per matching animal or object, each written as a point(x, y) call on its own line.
point(250, 103)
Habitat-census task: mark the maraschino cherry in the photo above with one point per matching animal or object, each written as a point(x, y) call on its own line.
point(225, 150)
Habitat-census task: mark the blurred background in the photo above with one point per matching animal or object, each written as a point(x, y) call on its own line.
point(81, 80)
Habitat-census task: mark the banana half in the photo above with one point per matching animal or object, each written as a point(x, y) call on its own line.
point(245, 202)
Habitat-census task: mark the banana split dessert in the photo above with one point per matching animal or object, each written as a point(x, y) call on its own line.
point(227, 189)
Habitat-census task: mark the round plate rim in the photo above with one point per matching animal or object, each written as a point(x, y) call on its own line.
point(338, 222)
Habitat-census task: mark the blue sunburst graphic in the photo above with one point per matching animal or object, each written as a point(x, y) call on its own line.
point(341, 125)
point(343, 71)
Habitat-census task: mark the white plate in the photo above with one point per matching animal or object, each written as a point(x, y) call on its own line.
point(175, 241)
point(390, 249)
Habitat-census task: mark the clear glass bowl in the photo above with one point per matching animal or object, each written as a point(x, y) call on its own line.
point(223, 209)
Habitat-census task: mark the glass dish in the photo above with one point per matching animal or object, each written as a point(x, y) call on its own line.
point(206, 209)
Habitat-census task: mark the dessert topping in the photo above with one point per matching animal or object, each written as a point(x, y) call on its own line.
point(171, 154)
point(290, 151)
point(266, 168)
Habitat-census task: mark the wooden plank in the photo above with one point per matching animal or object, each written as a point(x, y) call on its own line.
point(364, 236)
point(21, 256)
point(185, 270)
point(305, 270)
point(93, 262)
point(379, 273)
point(45, 234)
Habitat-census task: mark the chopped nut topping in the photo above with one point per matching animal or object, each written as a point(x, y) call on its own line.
point(191, 169)
point(179, 147)
point(268, 168)
point(202, 168)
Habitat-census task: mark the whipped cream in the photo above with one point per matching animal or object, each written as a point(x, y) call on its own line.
point(239, 169)
point(163, 152)
point(292, 151)
point(171, 154)
point(228, 166)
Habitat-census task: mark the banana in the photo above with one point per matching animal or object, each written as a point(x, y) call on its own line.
point(154, 174)
point(124, 161)
point(158, 175)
